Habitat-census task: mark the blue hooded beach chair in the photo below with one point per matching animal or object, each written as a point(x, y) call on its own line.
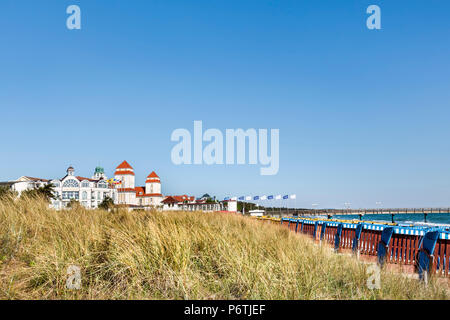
point(315, 228)
point(296, 226)
point(425, 256)
point(383, 245)
point(358, 231)
point(337, 237)
point(322, 232)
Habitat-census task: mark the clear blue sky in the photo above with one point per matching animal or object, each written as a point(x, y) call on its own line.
point(363, 115)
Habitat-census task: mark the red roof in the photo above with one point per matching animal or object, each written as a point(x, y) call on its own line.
point(124, 173)
point(149, 195)
point(170, 199)
point(125, 165)
point(153, 175)
point(152, 181)
point(37, 179)
point(140, 192)
point(82, 179)
point(183, 198)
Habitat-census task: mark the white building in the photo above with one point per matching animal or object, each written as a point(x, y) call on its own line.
point(90, 192)
point(146, 197)
point(27, 183)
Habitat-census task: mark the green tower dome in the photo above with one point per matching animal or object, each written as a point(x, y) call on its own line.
point(99, 170)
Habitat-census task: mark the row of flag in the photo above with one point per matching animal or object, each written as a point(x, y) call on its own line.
point(114, 181)
point(255, 198)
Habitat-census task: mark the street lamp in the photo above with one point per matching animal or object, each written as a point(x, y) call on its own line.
point(314, 206)
point(347, 205)
point(379, 205)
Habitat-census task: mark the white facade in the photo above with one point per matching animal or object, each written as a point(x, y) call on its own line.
point(89, 192)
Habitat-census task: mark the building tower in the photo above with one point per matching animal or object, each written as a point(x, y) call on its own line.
point(70, 171)
point(99, 173)
point(153, 184)
point(126, 189)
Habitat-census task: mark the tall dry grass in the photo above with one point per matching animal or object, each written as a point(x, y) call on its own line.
point(175, 255)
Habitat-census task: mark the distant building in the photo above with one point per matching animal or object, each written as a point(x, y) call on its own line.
point(205, 203)
point(90, 192)
point(148, 196)
point(26, 183)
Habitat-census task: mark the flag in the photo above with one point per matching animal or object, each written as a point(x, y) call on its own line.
point(256, 198)
point(226, 199)
point(248, 198)
point(285, 197)
point(278, 197)
point(242, 198)
point(263, 197)
point(293, 196)
point(270, 197)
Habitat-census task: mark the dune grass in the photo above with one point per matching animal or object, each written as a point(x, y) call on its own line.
point(176, 255)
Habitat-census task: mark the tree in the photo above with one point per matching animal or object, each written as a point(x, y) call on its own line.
point(73, 204)
point(248, 206)
point(106, 204)
point(7, 193)
point(46, 192)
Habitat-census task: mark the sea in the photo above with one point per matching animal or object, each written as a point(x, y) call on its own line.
point(433, 219)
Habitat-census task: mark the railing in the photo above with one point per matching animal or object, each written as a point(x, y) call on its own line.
point(402, 248)
point(331, 212)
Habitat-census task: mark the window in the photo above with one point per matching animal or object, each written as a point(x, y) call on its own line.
point(56, 184)
point(102, 184)
point(84, 195)
point(71, 183)
point(98, 195)
point(85, 184)
point(68, 195)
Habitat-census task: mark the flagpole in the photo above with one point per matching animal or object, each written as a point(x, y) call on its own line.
point(287, 206)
